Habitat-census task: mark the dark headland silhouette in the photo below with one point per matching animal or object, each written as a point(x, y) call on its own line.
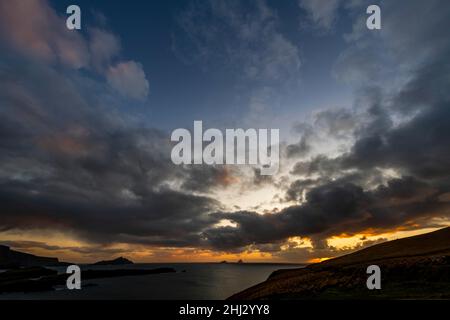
point(14, 259)
point(29, 273)
point(417, 267)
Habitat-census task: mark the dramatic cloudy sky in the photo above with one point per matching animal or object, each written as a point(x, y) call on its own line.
point(86, 118)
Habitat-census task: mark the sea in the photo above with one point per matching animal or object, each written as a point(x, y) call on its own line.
point(192, 281)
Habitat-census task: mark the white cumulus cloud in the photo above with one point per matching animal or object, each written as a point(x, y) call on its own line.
point(129, 79)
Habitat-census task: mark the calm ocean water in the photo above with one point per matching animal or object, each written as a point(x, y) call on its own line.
point(200, 281)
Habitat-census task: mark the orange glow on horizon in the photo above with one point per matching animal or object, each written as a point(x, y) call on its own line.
point(68, 248)
point(318, 260)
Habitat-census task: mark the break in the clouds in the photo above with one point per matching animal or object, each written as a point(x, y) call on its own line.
point(82, 150)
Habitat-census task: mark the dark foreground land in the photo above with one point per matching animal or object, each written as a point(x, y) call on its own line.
point(33, 279)
point(411, 268)
point(30, 273)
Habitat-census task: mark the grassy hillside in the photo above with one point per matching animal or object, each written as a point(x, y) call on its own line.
point(433, 243)
point(411, 268)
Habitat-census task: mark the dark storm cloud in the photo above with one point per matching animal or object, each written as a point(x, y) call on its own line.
point(427, 132)
point(338, 124)
point(298, 149)
point(259, 179)
point(320, 164)
point(161, 214)
point(331, 209)
point(297, 188)
point(417, 144)
point(303, 146)
point(326, 207)
point(403, 128)
point(203, 178)
point(71, 161)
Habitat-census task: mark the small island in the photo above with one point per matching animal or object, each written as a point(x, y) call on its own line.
point(114, 262)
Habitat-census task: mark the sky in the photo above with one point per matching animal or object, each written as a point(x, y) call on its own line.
point(86, 118)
